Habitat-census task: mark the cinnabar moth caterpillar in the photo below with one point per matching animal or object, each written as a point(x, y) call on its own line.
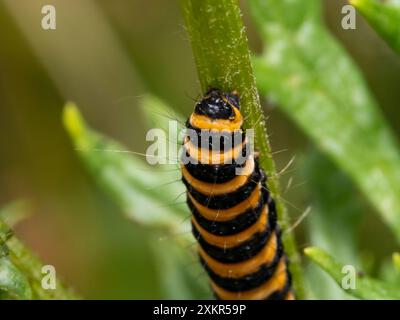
point(233, 216)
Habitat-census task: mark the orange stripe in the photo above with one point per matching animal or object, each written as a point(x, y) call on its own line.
point(228, 214)
point(220, 188)
point(206, 156)
point(276, 283)
point(207, 123)
point(235, 239)
point(241, 269)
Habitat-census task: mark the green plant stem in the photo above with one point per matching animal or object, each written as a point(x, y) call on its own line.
point(222, 57)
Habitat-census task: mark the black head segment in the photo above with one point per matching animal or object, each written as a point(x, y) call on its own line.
point(218, 105)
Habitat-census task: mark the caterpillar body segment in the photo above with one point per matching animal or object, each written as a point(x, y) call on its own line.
point(233, 215)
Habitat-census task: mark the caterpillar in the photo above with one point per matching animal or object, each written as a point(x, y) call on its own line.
point(233, 217)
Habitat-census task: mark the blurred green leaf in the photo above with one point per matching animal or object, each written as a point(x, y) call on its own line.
point(5, 233)
point(158, 114)
point(383, 17)
point(388, 272)
point(334, 208)
point(13, 284)
point(315, 82)
point(31, 266)
point(179, 272)
point(145, 194)
point(21, 270)
point(365, 287)
point(179, 269)
point(396, 261)
point(15, 212)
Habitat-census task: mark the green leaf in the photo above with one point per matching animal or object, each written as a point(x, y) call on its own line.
point(146, 194)
point(13, 284)
point(365, 287)
point(318, 86)
point(396, 260)
point(178, 281)
point(31, 266)
point(158, 114)
point(383, 17)
point(388, 271)
point(22, 265)
point(333, 208)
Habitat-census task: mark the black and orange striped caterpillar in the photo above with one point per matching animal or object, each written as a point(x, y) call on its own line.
point(233, 216)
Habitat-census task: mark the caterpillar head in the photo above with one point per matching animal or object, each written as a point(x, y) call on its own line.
point(218, 105)
point(217, 110)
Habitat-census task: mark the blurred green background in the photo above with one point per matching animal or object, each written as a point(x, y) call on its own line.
point(105, 55)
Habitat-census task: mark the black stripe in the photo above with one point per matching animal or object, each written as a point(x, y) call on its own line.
point(277, 295)
point(228, 200)
point(242, 252)
point(225, 228)
point(213, 173)
point(273, 216)
point(216, 140)
point(249, 281)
